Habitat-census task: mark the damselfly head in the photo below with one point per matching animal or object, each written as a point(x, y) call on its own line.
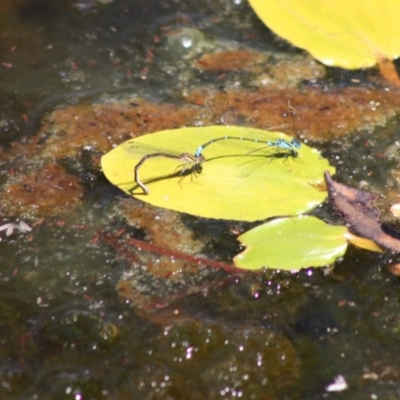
point(295, 143)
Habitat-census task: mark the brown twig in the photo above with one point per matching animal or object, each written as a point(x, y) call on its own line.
point(388, 70)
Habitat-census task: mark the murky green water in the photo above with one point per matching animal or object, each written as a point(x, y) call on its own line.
point(188, 332)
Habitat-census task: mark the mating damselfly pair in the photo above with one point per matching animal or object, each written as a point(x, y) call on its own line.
point(193, 162)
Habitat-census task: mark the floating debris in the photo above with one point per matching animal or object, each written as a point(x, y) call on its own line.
point(10, 227)
point(338, 385)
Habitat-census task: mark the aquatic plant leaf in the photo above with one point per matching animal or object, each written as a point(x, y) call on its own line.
point(237, 181)
point(363, 243)
point(348, 34)
point(292, 243)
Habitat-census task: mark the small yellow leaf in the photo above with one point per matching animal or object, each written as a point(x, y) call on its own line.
point(291, 244)
point(363, 243)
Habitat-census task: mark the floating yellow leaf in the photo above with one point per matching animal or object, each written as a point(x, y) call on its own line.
point(363, 243)
point(291, 244)
point(237, 181)
point(348, 34)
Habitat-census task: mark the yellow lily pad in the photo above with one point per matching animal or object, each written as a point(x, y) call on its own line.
point(348, 34)
point(291, 244)
point(237, 181)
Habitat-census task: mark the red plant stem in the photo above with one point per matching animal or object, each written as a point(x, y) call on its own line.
point(184, 256)
point(112, 241)
point(121, 250)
